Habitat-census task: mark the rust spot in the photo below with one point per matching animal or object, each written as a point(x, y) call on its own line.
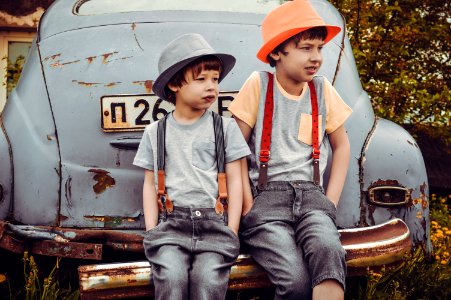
point(90, 59)
point(148, 85)
point(49, 138)
point(104, 180)
point(86, 83)
point(133, 26)
point(112, 221)
point(381, 182)
point(111, 84)
point(52, 56)
point(424, 197)
point(60, 64)
point(106, 55)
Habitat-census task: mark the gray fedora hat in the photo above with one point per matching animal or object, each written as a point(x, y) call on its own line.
point(179, 53)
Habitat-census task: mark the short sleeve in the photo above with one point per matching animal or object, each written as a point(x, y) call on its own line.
point(337, 111)
point(144, 155)
point(245, 104)
point(235, 145)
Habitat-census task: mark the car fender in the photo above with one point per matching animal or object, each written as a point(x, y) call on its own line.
point(392, 170)
point(34, 160)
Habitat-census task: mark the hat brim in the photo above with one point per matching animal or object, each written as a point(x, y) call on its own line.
point(269, 46)
point(227, 60)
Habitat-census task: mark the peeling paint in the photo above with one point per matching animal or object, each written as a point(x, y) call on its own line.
point(103, 180)
point(112, 221)
point(52, 56)
point(147, 85)
point(112, 84)
point(88, 84)
point(90, 59)
point(106, 55)
point(60, 64)
point(49, 137)
point(133, 26)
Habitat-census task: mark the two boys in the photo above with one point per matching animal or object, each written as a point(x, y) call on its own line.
point(288, 223)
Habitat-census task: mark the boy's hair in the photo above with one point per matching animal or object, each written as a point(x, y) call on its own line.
point(310, 34)
point(207, 63)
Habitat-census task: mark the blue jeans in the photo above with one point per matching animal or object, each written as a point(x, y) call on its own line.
point(290, 231)
point(191, 252)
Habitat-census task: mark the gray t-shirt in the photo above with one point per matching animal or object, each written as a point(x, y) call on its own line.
point(291, 158)
point(190, 165)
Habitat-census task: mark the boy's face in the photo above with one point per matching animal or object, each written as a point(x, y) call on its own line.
point(299, 63)
point(198, 93)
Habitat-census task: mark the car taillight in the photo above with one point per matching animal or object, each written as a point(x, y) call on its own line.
point(388, 195)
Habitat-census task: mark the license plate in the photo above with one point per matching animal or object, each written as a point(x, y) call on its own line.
point(135, 112)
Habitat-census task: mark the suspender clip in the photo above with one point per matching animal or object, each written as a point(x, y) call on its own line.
point(265, 155)
point(315, 154)
point(316, 177)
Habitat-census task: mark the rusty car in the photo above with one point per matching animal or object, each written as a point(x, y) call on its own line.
point(70, 130)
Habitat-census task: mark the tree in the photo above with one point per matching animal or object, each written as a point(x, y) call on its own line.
point(402, 54)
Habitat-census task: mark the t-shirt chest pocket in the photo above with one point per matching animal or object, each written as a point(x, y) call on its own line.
point(305, 129)
point(203, 154)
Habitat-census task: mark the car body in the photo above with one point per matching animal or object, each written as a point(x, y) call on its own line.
point(71, 128)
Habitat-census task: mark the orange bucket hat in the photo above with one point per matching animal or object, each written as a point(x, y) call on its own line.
point(288, 20)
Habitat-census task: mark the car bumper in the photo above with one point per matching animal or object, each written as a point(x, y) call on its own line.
point(367, 247)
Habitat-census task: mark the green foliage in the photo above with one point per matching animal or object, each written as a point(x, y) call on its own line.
point(402, 54)
point(13, 70)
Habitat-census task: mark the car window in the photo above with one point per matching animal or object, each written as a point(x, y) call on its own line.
point(95, 7)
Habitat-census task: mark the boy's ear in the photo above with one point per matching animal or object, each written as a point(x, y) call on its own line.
point(275, 56)
point(173, 87)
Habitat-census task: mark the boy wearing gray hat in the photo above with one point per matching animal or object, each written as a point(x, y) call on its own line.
point(192, 167)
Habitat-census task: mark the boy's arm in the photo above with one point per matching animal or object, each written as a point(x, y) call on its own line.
point(340, 160)
point(150, 204)
point(235, 192)
point(248, 199)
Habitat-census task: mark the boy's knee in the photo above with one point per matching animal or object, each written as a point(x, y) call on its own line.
point(210, 279)
point(175, 276)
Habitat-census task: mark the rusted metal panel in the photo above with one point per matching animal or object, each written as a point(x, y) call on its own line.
point(127, 280)
point(72, 250)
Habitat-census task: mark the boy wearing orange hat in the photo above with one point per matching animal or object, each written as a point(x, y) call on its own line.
point(290, 119)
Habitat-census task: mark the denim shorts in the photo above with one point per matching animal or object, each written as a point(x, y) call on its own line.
point(191, 252)
point(291, 232)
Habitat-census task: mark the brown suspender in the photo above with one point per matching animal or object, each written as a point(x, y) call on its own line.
point(265, 146)
point(164, 202)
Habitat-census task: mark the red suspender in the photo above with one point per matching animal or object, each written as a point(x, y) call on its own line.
point(265, 145)
point(315, 138)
